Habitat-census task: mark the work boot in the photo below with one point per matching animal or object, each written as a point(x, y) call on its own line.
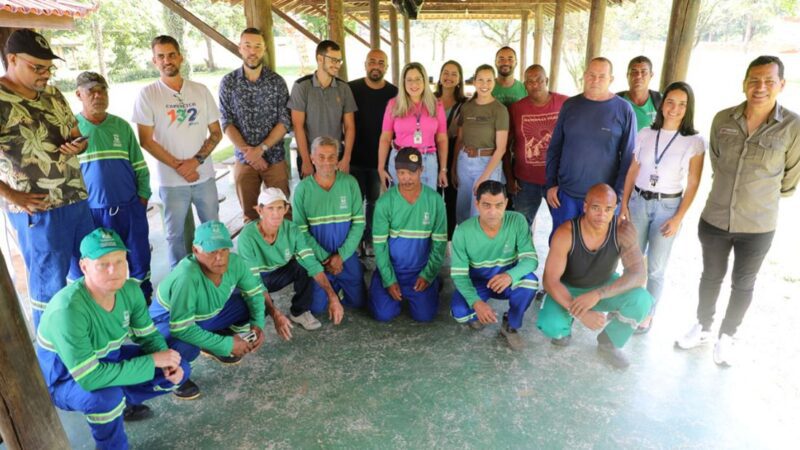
point(512, 336)
point(187, 391)
point(611, 353)
point(475, 325)
point(135, 413)
point(562, 341)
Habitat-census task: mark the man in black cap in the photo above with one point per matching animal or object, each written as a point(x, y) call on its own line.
point(41, 179)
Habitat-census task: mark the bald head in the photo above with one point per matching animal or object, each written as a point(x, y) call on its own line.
point(376, 64)
point(601, 191)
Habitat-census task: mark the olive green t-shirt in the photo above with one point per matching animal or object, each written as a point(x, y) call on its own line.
point(480, 123)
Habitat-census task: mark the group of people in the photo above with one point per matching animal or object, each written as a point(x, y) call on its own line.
point(77, 189)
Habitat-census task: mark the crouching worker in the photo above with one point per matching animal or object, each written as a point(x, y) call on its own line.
point(276, 250)
point(80, 345)
point(580, 279)
point(207, 300)
point(493, 257)
point(409, 231)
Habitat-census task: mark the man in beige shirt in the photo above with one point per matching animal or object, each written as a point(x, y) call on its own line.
point(755, 156)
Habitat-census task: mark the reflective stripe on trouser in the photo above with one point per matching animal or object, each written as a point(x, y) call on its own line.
point(234, 316)
point(625, 310)
point(50, 245)
point(422, 305)
point(350, 280)
point(130, 222)
point(519, 296)
point(103, 407)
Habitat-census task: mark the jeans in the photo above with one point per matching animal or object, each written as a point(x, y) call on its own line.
point(430, 168)
point(528, 199)
point(648, 216)
point(570, 207)
point(749, 251)
point(370, 184)
point(469, 170)
point(177, 204)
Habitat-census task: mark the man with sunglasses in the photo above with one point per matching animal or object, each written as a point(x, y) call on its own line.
point(323, 105)
point(41, 180)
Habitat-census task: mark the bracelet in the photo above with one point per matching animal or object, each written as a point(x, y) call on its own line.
point(443, 169)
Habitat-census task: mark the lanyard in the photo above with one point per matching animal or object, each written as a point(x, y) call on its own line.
point(418, 115)
point(655, 150)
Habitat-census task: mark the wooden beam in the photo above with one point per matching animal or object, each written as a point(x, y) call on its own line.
point(16, 20)
point(203, 27)
point(538, 32)
point(336, 30)
point(357, 37)
point(594, 38)
point(28, 419)
point(558, 41)
point(296, 25)
point(395, 46)
point(523, 44)
point(363, 24)
point(680, 39)
point(258, 14)
point(374, 24)
point(406, 39)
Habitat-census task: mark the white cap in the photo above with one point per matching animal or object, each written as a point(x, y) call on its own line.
point(270, 195)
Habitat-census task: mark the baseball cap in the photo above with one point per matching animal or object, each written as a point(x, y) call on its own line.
point(101, 242)
point(270, 195)
point(212, 236)
point(89, 80)
point(408, 158)
point(31, 43)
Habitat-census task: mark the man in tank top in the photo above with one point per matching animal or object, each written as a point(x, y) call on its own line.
point(581, 283)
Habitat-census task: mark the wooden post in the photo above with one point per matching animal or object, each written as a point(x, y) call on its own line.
point(537, 34)
point(336, 30)
point(28, 419)
point(558, 40)
point(523, 44)
point(258, 14)
point(680, 38)
point(374, 23)
point(594, 38)
point(406, 39)
point(395, 45)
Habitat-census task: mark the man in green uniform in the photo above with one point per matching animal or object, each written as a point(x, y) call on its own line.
point(643, 100)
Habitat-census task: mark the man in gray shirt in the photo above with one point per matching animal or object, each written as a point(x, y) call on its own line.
point(323, 105)
point(755, 156)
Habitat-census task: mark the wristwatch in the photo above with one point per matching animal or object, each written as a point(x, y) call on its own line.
point(264, 147)
point(200, 158)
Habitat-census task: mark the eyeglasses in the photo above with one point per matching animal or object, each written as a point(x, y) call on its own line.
point(334, 60)
point(38, 68)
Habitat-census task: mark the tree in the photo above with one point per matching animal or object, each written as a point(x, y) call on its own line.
point(574, 47)
point(228, 19)
point(501, 32)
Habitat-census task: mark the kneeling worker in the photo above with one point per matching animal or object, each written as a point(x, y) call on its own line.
point(80, 345)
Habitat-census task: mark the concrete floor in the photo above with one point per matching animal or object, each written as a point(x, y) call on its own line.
point(441, 385)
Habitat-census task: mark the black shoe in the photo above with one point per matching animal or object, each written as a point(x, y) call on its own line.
point(562, 341)
point(227, 360)
point(612, 354)
point(135, 413)
point(187, 391)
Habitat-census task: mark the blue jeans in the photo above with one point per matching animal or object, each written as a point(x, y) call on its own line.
point(177, 202)
point(430, 168)
point(469, 170)
point(648, 216)
point(570, 208)
point(528, 199)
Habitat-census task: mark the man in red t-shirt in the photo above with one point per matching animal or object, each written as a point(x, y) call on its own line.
point(533, 119)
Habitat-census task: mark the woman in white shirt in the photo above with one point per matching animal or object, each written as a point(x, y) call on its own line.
point(668, 155)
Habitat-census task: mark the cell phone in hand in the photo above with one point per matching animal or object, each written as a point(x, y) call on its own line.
point(78, 140)
point(249, 337)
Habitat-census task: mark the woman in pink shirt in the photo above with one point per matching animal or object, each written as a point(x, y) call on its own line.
point(415, 118)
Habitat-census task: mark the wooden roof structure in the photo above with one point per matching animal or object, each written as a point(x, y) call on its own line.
point(44, 13)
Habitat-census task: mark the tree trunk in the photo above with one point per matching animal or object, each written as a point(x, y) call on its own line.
point(210, 51)
point(176, 28)
point(97, 34)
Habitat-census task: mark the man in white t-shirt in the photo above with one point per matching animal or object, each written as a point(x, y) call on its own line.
point(178, 123)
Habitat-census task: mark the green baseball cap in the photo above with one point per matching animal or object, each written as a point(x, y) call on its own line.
point(212, 236)
point(101, 242)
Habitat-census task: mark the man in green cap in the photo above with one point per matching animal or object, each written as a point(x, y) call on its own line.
point(207, 300)
point(80, 344)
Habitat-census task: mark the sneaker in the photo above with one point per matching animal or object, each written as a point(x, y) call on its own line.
point(187, 391)
point(694, 338)
point(512, 336)
point(475, 325)
point(725, 351)
point(227, 360)
point(134, 413)
point(613, 355)
point(562, 341)
point(306, 320)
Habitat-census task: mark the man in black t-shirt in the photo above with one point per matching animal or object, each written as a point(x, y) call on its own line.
point(371, 93)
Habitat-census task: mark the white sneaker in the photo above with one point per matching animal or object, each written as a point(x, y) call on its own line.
point(725, 351)
point(306, 320)
point(694, 338)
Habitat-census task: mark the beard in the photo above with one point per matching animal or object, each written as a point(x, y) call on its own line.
point(375, 75)
point(505, 70)
point(255, 66)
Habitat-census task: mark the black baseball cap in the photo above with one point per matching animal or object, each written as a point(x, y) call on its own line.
point(408, 158)
point(31, 43)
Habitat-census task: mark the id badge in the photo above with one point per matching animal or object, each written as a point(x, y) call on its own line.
point(418, 137)
point(653, 179)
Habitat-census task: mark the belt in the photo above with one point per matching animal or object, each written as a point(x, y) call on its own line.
point(423, 150)
point(473, 152)
point(649, 195)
